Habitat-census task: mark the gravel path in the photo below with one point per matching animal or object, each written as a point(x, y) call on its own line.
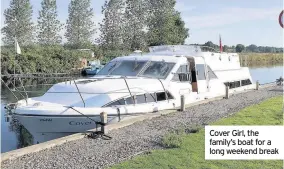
point(137, 138)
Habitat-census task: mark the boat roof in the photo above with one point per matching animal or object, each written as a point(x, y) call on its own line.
point(171, 53)
point(151, 56)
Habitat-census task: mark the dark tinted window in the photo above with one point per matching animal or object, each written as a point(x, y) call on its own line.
point(161, 96)
point(246, 82)
point(232, 85)
point(237, 84)
point(170, 96)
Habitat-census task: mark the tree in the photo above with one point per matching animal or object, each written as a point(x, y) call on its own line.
point(212, 45)
point(240, 48)
point(111, 28)
point(48, 24)
point(252, 48)
point(79, 26)
point(165, 24)
point(135, 24)
point(226, 48)
point(18, 23)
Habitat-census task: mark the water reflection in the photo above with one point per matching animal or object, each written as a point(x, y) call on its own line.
point(14, 135)
point(24, 138)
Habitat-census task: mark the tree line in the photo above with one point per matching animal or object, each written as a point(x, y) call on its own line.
point(239, 48)
point(127, 24)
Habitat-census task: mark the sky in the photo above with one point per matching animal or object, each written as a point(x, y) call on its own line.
point(237, 21)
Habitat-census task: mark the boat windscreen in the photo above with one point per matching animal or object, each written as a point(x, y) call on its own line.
point(124, 68)
point(158, 70)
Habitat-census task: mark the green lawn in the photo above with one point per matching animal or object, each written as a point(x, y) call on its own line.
point(189, 148)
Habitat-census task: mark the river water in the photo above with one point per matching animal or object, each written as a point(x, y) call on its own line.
point(14, 136)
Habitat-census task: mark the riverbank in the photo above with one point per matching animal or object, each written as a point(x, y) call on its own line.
point(186, 149)
point(138, 138)
point(253, 59)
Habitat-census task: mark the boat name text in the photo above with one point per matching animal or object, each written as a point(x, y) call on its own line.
point(79, 123)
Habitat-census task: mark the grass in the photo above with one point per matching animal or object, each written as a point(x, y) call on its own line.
point(260, 58)
point(187, 150)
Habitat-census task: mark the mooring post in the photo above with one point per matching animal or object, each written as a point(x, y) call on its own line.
point(227, 92)
point(257, 85)
point(182, 103)
point(104, 122)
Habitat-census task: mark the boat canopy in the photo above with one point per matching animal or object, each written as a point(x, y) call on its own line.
point(183, 50)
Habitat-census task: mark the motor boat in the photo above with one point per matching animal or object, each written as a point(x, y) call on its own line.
point(129, 86)
point(93, 68)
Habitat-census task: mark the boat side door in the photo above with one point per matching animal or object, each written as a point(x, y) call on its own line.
point(181, 79)
point(202, 79)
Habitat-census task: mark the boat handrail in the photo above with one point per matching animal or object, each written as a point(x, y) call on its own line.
point(15, 91)
point(10, 90)
point(129, 91)
point(78, 91)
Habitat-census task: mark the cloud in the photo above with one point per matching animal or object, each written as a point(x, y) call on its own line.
point(228, 16)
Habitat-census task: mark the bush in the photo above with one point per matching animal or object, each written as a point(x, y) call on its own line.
point(41, 59)
point(173, 139)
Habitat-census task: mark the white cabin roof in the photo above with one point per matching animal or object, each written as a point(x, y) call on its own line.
point(171, 53)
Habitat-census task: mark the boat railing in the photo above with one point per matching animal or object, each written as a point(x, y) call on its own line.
point(16, 91)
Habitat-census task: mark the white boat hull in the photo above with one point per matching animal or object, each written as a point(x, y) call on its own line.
point(162, 77)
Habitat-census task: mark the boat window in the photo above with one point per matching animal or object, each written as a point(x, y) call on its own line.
point(107, 68)
point(117, 103)
point(233, 84)
point(226, 84)
point(128, 68)
point(144, 98)
point(237, 84)
point(211, 73)
point(200, 72)
point(246, 82)
point(182, 74)
point(124, 68)
point(161, 96)
point(170, 96)
point(158, 70)
point(140, 99)
point(129, 100)
point(150, 97)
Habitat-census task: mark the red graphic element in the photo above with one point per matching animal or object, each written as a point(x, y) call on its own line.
point(220, 41)
point(280, 19)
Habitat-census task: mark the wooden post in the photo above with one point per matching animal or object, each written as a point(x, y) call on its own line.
point(7, 119)
point(257, 85)
point(182, 103)
point(227, 93)
point(104, 121)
